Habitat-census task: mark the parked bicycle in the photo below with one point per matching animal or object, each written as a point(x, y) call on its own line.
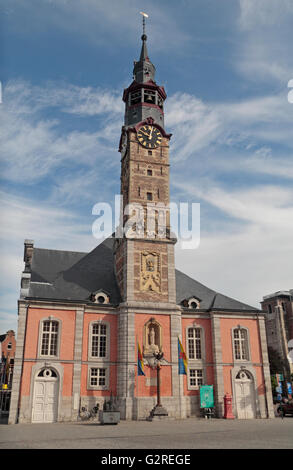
point(91, 414)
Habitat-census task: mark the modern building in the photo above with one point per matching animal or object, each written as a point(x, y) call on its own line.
point(279, 324)
point(82, 315)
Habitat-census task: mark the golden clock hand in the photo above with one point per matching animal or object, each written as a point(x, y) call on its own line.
point(142, 132)
point(151, 133)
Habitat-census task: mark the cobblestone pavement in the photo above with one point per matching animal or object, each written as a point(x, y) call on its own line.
point(191, 433)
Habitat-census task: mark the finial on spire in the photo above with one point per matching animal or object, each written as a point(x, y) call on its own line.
point(144, 16)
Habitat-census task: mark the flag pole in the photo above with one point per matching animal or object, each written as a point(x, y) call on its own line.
point(136, 378)
point(180, 385)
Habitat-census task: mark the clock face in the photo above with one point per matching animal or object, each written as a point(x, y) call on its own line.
point(149, 137)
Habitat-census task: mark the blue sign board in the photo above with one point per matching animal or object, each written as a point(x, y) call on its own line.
point(289, 388)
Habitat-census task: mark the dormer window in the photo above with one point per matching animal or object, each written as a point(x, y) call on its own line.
point(100, 298)
point(135, 97)
point(191, 303)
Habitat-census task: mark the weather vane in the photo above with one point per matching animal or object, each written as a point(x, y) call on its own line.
point(144, 16)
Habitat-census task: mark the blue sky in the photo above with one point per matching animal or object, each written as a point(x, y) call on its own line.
point(225, 65)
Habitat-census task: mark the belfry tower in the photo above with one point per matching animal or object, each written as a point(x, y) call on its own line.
point(144, 255)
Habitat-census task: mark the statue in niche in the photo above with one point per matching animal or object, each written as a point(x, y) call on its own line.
point(152, 338)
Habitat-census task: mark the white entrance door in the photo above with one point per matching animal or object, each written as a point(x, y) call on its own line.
point(45, 402)
point(245, 396)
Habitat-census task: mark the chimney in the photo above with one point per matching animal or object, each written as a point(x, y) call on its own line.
point(26, 275)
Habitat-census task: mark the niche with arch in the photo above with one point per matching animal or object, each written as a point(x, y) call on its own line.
point(152, 338)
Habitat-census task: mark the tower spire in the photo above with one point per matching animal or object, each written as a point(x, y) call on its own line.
point(143, 70)
point(144, 98)
point(144, 16)
point(144, 52)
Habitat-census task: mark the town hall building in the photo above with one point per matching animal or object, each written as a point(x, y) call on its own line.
point(81, 316)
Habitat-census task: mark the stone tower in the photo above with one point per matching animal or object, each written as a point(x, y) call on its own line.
point(144, 255)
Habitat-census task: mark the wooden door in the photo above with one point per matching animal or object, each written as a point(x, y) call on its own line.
point(245, 396)
point(45, 400)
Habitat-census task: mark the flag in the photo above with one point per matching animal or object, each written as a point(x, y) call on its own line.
point(140, 364)
point(182, 359)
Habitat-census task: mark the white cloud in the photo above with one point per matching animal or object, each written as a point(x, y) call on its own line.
point(264, 13)
point(34, 146)
point(210, 140)
point(108, 18)
point(267, 206)
point(264, 48)
point(30, 218)
point(233, 136)
point(49, 227)
point(244, 260)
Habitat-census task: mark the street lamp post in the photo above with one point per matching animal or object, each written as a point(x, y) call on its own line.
point(158, 410)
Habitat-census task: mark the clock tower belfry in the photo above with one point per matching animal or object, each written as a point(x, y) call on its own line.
point(144, 253)
point(144, 147)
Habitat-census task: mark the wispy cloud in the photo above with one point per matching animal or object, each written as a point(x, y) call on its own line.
point(251, 136)
point(265, 50)
point(213, 144)
point(49, 226)
point(111, 18)
point(251, 256)
point(34, 145)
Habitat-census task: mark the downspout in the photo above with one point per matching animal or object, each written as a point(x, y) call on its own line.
point(21, 373)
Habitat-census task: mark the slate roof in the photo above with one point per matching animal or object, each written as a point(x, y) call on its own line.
point(2, 337)
point(73, 276)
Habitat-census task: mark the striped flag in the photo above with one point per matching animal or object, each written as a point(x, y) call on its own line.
point(140, 364)
point(182, 359)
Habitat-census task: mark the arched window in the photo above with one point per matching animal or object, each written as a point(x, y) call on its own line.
point(269, 308)
point(240, 343)
point(49, 338)
point(194, 343)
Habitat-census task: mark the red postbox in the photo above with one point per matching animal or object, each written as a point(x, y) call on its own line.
point(228, 413)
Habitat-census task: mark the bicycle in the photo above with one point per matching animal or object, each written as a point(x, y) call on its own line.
point(86, 414)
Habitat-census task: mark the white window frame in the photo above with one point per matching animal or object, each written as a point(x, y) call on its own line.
point(41, 331)
point(194, 341)
point(190, 377)
point(98, 367)
point(196, 363)
point(90, 341)
point(240, 341)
